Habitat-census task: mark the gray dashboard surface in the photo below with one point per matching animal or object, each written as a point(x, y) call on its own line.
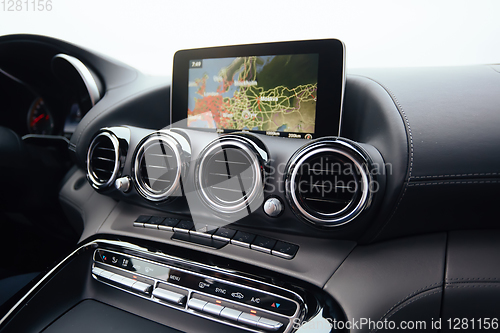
point(377, 281)
point(315, 261)
point(452, 118)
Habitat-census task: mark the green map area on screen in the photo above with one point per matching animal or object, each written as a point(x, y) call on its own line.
point(258, 93)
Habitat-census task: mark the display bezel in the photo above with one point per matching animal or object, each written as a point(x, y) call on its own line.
point(331, 78)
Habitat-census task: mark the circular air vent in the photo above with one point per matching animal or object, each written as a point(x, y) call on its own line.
point(158, 167)
point(229, 176)
point(103, 160)
point(328, 182)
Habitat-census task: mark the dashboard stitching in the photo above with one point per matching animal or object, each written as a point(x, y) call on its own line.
point(457, 182)
point(405, 305)
point(471, 279)
point(406, 122)
point(474, 286)
point(413, 294)
point(458, 175)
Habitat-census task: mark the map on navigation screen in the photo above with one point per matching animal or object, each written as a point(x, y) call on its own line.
point(257, 93)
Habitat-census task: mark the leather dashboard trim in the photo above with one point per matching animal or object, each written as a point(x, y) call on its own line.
point(464, 175)
point(409, 136)
point(454, 182)
point(404, 305)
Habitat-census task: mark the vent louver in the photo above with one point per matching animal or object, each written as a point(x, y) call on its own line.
point(103, 160)
point(158, 166)
point(229, 175)
point(327, 183)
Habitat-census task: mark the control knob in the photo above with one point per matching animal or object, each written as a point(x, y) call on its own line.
point(273, 207)
point(123, 184)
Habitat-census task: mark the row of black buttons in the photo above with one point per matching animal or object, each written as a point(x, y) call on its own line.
point(260, 243)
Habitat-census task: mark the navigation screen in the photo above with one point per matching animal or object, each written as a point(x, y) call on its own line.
point(275, 95)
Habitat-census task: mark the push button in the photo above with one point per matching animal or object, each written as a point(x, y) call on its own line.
point(263, 244)
point(169, 296)
point(224, 234)
point(127, 282)
point(143, 219)
point(206, 231)
point(156, 220)
point(213, 309)
point(184, 226)
point(196, 304)
point(139, 222)
point(153, 222)
point(268, 324)
point(168, 224)
point(243, 239)
point(248, 319)
point(116, 278)
point(230, 314)
point(141, 287)
point(105, 274)
point(96, 271)
point(284, 250)
point(209, 242)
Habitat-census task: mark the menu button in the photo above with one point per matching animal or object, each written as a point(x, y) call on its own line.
point(175, 277)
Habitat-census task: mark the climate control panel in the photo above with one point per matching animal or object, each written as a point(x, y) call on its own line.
point(215, 295)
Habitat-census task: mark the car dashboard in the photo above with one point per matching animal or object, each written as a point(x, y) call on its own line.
point(171, 240)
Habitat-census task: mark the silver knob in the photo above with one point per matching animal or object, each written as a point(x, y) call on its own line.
point(123, 184)
point(273, 207)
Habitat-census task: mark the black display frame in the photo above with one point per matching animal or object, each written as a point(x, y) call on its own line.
point(331, 78)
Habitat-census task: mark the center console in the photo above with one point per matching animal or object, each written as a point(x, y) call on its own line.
point(115, 284)
point(218, 295)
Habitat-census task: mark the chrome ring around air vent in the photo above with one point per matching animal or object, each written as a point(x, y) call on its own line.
point(158, 166)
point(103, 160)
point(340, 168)
point(229, 175)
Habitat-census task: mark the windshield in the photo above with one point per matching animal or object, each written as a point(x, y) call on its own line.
point(146, 34)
